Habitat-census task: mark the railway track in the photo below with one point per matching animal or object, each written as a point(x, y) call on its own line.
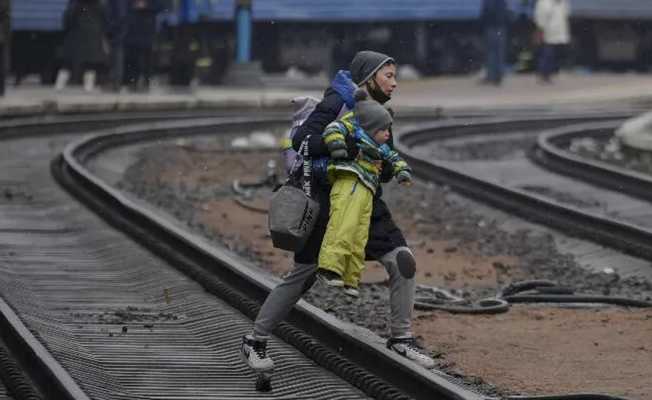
point(121, 323)
point(124, 322)
point(503, 172)
point(551, 153)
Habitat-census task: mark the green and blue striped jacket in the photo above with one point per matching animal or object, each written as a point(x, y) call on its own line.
point(366, 165)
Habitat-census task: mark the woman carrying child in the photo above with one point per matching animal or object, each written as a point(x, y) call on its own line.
point(376, 74)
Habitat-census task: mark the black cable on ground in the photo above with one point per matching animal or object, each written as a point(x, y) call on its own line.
point(16, 382)
point(517, 287)
point(137, 228)
point(549, 292)
point(545, 292)
point(484, 306)
point(573, 298)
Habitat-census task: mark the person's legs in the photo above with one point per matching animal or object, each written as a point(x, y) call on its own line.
point(359, 206)
point(387, 245)
point(559, 57)
point(274, 310)
point(131, 66)
point(501, 50)
point(546, 62)
point(3, 69)
point(401, 290)
point(146, 66)
point(117, 66)
point(284, 296)
point(339, 241)
point(493, 56)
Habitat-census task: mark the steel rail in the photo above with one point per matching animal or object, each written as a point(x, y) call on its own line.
point(549, 154)
point(572, 220)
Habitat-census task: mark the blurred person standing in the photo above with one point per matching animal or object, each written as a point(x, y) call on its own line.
point(84, 48)
point(139, 41)
point(5, 35)
point(116, 11)
point(552, 19)
point(495, 20)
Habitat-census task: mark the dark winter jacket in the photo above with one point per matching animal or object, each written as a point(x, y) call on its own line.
point(141, 22)
point(117, 11)
point(84, 24)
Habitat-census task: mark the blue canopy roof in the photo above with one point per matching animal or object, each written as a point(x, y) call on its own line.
point(37, 15)
point(365, 10)
point(46, 15)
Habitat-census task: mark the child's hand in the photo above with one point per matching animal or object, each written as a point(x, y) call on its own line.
point(404, 178)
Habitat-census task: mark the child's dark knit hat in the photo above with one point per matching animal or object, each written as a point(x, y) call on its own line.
point(371, 115)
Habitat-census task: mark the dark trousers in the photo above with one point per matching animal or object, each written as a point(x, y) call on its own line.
point(548, 60)
point(117, 65)
point(138, 64)
point(496, 42)
point(3, 68)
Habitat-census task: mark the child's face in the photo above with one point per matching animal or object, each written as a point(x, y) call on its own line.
point(381, 136)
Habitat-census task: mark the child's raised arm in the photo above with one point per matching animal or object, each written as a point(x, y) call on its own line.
point(400, 169)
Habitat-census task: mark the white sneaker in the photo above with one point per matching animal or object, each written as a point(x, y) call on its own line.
point(62, 79)
point(408, 348)
point(329, 278)
point(351, 291)
point(254, 353)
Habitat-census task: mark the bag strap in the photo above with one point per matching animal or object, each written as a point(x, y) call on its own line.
point(298, 160)
point(307, 167)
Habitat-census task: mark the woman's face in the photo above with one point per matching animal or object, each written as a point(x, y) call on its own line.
point(386, 79)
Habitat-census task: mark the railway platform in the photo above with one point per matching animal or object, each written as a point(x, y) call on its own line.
point(522, 91)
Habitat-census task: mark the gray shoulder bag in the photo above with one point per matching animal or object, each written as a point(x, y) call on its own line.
point(292, 211)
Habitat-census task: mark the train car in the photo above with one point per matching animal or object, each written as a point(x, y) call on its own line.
point(436, 36)
point(612, 34)
point(442, 36)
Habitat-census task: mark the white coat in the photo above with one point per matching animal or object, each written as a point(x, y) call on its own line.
point(551, 16)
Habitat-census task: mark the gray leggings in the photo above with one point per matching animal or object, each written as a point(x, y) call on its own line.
point(284, 296)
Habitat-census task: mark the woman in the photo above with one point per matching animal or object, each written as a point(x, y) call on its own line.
point(551, 17)
point(84, 48)
point(376, 73)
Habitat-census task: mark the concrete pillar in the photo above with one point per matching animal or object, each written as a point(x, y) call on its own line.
point(243, 29)
point(244, 72)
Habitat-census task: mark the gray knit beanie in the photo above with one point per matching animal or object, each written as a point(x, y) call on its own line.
point(371, 115)
point(366, 63)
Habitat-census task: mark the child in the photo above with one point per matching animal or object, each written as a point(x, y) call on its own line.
point(354, 182)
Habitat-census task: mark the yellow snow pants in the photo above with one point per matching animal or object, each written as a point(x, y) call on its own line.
point(343, 248)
